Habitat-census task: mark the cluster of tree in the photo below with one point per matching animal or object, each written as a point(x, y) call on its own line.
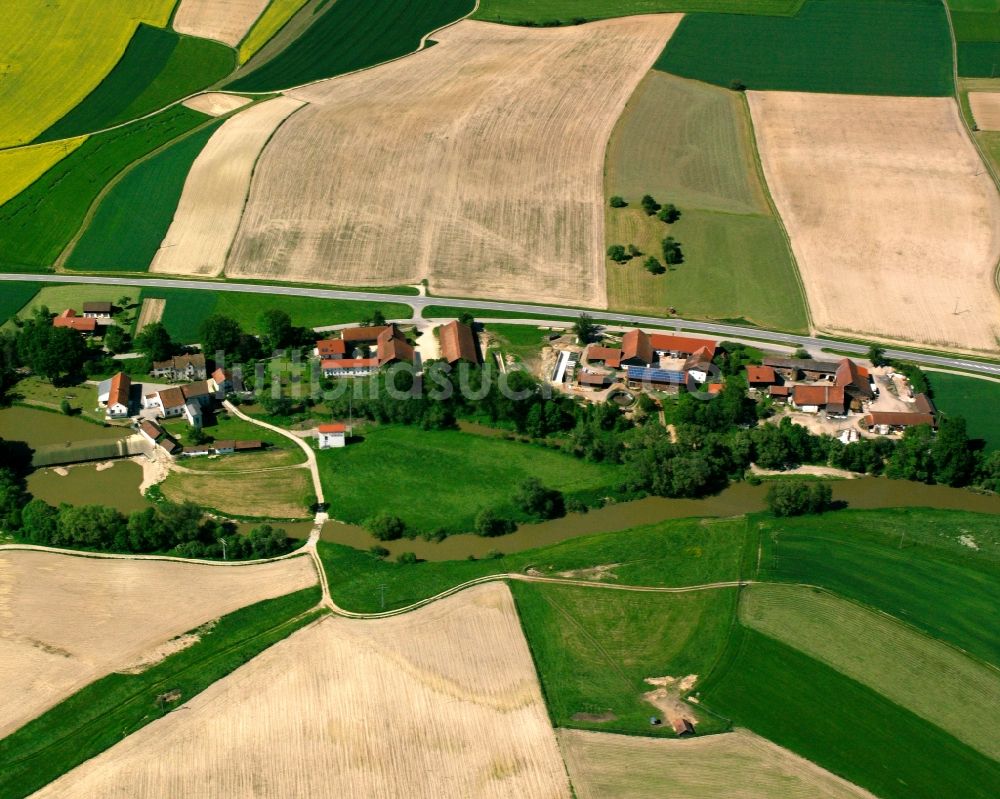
point(55, 353)
point(798, 497)
point(621, 254)
point(672, 253)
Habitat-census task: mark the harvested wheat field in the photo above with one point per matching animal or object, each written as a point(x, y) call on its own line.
point(68, 620)
point(893, 218)
point(216, 187)
point(279, 494)
point(737, 765)
point(151, 311)
point(477, 164)
point(442, 702)
point(216, 104)
point(985, 109)
point(225, 21)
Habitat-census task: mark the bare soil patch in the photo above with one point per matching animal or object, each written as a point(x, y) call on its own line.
point(66, 621)
point(442, 702)
point(216, 103)
point(215, 190)
point(737, 764)
point(151, 311)
point(477, 164)
point(985, 109)
point(223, 20)
point(893, 218)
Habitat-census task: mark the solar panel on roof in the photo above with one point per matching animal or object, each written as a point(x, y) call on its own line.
point(650, 375)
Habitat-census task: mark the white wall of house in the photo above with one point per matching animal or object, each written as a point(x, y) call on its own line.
point(331, 440)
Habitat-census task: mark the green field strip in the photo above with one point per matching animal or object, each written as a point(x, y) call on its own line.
point(910, 563)
point(350, 35)
point(975, 400)
point(132, 219)
point(275, 17)
point(979, 59)
point(15, 296)
point(668, 554)
point(933, 680)
point(110, 709)
point(39, 222)
point(411, 459)
point(839, 724)
point(567, 12)
point(881, 47)
point(158, 67)
point(594, 649)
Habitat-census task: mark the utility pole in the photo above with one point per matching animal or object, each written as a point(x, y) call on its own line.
point(381, 590)
point(223, 542)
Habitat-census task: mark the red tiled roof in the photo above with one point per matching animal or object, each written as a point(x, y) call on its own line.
point(458, 343)
point(898, 418)
point(609, 355)
point(332, 428)
point(714, 388)
point(761, 374)
point(850, 375)
point(358, 334)
point(393, 347)
point(349, 363)
point(779, 391)
point(331, 348)
point(68, 318)
point(222, 375)
point(682, 344)
point(171, 397)
point(593, 379)
point(636, 345)
point(151, 429)
point(818, 395)
point(194, 390)
point(121, 385)
point(251, 444)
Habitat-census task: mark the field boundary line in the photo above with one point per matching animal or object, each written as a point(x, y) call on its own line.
point(83, 553)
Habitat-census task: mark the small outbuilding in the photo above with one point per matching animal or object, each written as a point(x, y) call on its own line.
point(682, 726)
point(332, 435)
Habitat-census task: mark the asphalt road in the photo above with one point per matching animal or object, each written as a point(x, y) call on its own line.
point(528, 310)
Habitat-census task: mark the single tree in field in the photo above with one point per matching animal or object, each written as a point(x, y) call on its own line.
point(649, 205)
point(672, 254)
point(116, 340)
point(669, 213)
point(377, 319)
point(654, 267)
point(616, 252)
point(633, 251)
point(618, 202)
point(124, 302)
point(276, 327)
point(585, 329)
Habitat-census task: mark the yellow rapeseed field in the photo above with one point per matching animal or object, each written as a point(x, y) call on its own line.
point(22, 166)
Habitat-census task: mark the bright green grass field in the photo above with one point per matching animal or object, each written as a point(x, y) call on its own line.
point(133, 218)
point(979, 59)
point(158, 67)
point(593, 649)
point(674, 553)
point(39, 222)
point(106, 711)
point(520, 12)
point(937, 682)
point(350, 35)
point(976, 400)
point(58, 298)
point(841, 725)
point(186, 309)
point(909, 563)
point(442, 478)
point(976, 26)
point(892, 47)
point(14, 296)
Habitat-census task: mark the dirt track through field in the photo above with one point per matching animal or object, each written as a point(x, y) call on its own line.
point(737, 764)
point(476, 163)
point(440, 703)
point(212, 201)
point(893, 218)
point(223, 20)
point(151, 311)
point(66, 621)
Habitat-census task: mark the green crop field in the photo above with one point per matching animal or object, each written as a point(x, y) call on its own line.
point(186, 308)
point(841, 725)
point(979, 59)
point(933, 680)
point(58, 298)
point(350, 35)
point(106, 711)
point(594, 649)
point(976, 400)
point(538, 12)
point(977, 33)
point(893, 47)
point(54, 54)
point(277, 13)
point(119, 239)
point(670, 554)
point(39, 222)
point(158, 67)
point(691, 144)
point(22, 166)
point(918, 565)
point(440, 479)
point(14, 296)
